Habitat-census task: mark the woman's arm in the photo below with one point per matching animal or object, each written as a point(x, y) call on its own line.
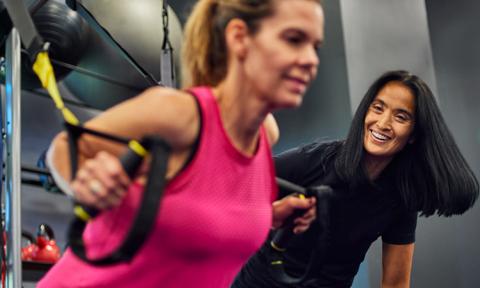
point(397, 265)
point(168, 113)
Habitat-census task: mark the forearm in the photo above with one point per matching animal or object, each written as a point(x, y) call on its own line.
point(397, 280)
point(59, 157)
point(397, 265)
point(403, 284)
point(58, 162)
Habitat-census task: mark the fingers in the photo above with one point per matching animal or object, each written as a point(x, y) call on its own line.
point(283, 208)
point(303, 223)
point(101, 182)
point(301, 203)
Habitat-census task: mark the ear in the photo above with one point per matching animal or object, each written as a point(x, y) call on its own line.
point(236, 38)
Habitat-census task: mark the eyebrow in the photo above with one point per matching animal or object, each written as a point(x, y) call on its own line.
point(410, 114)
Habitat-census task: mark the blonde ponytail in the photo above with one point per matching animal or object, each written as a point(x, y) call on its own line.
point(197, 47)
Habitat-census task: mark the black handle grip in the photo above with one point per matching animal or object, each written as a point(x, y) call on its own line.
point(130, 161)
point(283, 235)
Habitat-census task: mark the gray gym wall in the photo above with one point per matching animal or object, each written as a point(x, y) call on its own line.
point(448, 254)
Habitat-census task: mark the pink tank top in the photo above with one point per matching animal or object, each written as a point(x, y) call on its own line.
point(214, 215)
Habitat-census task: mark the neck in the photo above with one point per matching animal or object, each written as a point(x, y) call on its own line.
point(242, 113)
point(375, 165)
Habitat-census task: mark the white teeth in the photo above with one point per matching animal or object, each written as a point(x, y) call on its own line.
point(379, 136)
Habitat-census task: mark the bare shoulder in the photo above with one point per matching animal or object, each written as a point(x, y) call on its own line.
point(271, 126)
point(169, 113)
point(174, 114)
point(170, 101)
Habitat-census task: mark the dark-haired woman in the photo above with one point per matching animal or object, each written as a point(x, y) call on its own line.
point(399, 159)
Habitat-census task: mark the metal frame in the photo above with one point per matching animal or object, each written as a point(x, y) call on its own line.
point(12, 184)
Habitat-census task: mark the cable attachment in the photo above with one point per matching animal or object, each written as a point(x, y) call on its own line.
point(167, 73)
point(282, 236)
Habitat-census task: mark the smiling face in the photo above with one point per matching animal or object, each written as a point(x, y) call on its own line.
point(282, 58)
point(389, 122)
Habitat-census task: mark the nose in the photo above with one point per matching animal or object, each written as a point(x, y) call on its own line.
point(310, 58)
point(384, 121)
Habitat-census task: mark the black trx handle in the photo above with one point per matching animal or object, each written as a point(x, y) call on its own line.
point(282, 236)
point(130, 161)
point(146, 213)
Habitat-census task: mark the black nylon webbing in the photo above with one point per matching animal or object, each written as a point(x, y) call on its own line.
point(146, 214)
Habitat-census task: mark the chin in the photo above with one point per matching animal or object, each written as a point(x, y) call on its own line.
point(296, 100)
point(292, 104)
point(287, 100)
point(379, 153)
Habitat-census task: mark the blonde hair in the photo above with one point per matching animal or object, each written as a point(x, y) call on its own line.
point(204, 55)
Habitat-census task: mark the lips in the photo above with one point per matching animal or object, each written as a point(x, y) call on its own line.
point(299, 85)
point(380, 137)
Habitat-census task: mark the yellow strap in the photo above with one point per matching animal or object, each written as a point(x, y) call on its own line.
point(44, 70)
point(137, 148)
point(277, 262)
point(272, 244)
point(81, 213)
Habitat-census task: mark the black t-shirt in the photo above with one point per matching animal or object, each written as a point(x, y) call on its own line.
point(358, 216)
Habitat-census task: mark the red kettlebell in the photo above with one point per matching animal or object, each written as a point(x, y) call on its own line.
point(30, 249)
point(44, 249)
point(47, 251)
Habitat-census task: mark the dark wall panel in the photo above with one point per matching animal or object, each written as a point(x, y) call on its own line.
point(452, 246)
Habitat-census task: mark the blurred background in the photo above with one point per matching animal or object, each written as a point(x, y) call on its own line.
point(437, 39)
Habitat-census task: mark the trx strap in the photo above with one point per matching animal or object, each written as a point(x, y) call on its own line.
point(167, 72)
point(279, 243)
point(145, 218)
point(146, 214)
point(23, 22)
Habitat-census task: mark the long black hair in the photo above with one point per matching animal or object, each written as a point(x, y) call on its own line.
point(431, 173)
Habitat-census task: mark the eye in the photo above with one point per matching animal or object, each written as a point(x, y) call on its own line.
point(377, 107)
point(294, 37)
point(402, 117)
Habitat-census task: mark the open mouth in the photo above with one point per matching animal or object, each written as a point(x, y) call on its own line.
point(379, 136)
